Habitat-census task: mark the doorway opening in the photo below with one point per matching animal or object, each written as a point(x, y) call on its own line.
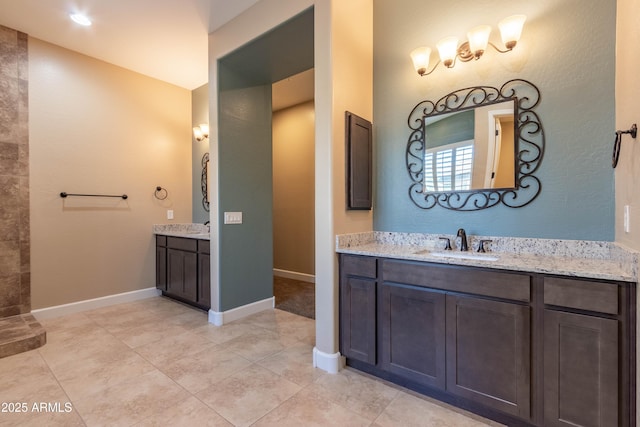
point(294, 194)
point(248, 160)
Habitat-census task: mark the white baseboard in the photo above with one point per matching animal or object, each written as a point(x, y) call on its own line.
point(303, 277)
point(331, 363)
point(90, 304)
point(219, 318)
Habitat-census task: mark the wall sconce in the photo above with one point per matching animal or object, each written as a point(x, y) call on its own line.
point(201, 132)
point(473, 48)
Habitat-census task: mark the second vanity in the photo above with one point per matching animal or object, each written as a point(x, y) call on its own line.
point(183, 263)
point(533, 337)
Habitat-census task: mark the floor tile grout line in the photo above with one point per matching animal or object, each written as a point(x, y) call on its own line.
point(53, 374)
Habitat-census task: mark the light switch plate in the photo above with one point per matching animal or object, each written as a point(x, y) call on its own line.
point(627, 228)
point(233, 217)
point(169, 214)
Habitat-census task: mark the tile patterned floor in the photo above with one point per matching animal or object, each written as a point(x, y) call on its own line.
point(159, 363)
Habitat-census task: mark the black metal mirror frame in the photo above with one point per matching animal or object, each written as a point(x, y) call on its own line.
point(204, 182)
point(530, 143)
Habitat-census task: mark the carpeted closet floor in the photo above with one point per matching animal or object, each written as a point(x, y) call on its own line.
point(295, 296)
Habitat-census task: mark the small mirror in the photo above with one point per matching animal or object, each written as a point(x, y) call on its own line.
point(472, 149)
point(476, 147)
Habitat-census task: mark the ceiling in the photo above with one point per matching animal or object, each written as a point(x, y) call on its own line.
point(163, 39)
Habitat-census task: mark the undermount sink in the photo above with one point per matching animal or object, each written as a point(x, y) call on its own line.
point(459, 255)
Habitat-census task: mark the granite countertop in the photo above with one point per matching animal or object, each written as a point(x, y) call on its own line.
point(189, 231)
point(597, 260)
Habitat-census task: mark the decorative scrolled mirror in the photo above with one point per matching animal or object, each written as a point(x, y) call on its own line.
point(204, 181)
point(476, 147)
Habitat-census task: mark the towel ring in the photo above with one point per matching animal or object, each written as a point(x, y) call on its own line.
point(161, 193)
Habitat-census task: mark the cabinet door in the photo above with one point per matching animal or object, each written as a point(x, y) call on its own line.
point(204, 280)
point(488, 353)
point(580, 370)
point(161, 268)
point(358, 319)
point(182, 270)
point(412, 343)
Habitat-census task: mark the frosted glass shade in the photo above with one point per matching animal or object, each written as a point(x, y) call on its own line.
point(420, 58)
point(205, 130)
point(511, 30)
point(478, 39)
point(197, 133)
point(448, 49)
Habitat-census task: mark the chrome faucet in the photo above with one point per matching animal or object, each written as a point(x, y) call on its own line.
point(463, 239)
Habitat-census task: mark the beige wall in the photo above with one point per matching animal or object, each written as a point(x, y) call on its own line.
point(293, 189)
point(627, 174)
point(97, 128)
point(352, 71)
point(506, 165)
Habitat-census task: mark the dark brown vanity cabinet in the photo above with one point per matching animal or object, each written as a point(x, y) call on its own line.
point(358, 308)
point(161, 263)
point(182, 269)
point(412, 333)
point(588, 354)
point(204, 274)
point(523, 349)
point(488, 353)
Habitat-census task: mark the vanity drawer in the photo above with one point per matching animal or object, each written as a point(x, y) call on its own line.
point(476, 281)
point(182, 243)
point(363, 266)
point(581, 294)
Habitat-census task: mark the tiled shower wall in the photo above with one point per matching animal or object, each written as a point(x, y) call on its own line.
point(15, 294)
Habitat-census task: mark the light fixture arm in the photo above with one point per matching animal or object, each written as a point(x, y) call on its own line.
point(507, 48)
point(425, 73)
point(465, 54)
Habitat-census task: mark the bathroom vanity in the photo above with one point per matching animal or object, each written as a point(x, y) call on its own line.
point(521, 345)
point(183, 265)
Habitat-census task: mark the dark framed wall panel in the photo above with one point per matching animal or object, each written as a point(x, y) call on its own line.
point(359, 140)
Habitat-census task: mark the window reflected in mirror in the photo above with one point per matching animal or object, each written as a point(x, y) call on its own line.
point(473, 149)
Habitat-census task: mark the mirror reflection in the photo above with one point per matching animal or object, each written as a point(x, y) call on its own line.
point(471, 149)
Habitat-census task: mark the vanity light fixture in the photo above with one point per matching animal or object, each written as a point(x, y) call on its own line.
point(201, 132)
point(473, 48)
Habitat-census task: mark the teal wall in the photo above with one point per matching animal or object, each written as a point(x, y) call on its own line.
point(567, 49)
point(455, 128)
point(245, 174)
point(245, 177)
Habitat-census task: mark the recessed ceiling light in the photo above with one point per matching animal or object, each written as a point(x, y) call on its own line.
point(80, 19)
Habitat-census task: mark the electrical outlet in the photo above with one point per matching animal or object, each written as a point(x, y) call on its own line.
point(627, 227)
point(170, 214)
point(233, 217)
